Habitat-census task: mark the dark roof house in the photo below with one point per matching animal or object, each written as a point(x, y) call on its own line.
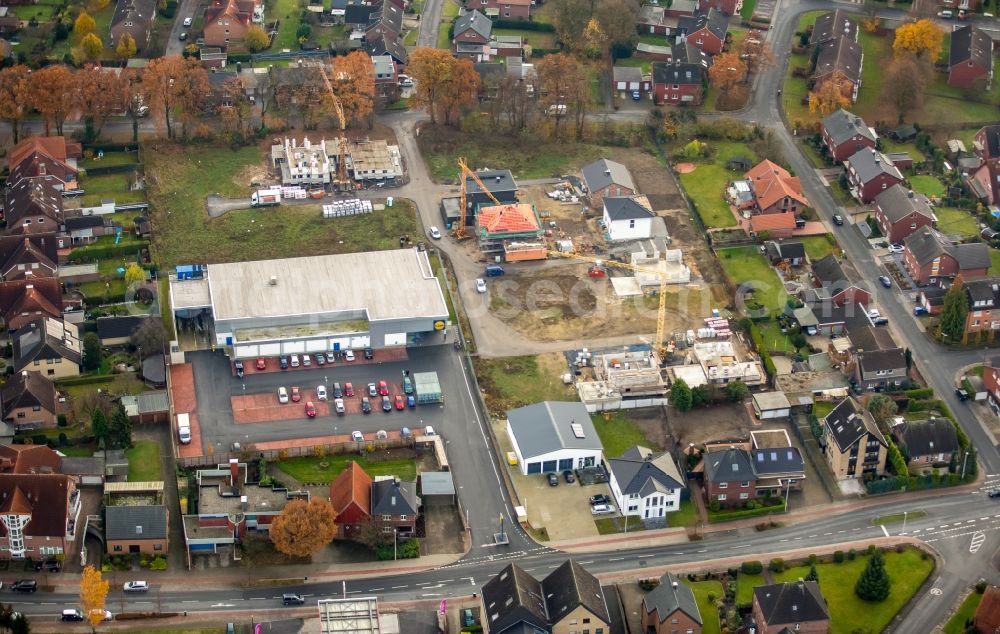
point(640, 471)
point(790, 604)
point(603, 173)
point(624, 208)
point(30, 390)
point(135, 522)
point(669, 598)
point(117, 330)
point(729, 465)
point(474, 21)
point(832, 25)
point(394, 497)
point(970, 58)
point(134, 17)
point(932, 437)
point(848, 424)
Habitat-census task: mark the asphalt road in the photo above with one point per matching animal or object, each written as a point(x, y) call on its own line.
point(952, 525)
point(457, 420)
point(185, 9)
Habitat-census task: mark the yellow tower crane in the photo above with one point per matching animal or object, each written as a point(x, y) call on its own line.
point(459, 230)
point(660, 343)
point(342, 180)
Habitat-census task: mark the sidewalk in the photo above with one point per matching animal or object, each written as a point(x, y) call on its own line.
point(177, 580)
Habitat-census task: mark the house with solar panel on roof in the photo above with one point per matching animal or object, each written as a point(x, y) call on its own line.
point(511, 230)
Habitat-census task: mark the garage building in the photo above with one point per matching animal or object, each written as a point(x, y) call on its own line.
point(313, 304)
point(771, 405)
point(553, 436)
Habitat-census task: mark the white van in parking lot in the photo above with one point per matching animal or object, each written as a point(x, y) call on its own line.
point(184, 428)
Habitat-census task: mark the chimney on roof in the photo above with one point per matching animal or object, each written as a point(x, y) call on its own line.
point(234, 471)
point(243, 502)
point(607, 172)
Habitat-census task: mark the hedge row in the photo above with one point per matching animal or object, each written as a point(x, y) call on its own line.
point(915, 483)
point(726, 516)
point(102, 170)
point(106, 252)
point(99, 300)
point(111, 147)
point(544, 27)
point(920, 393)
point(86, 380)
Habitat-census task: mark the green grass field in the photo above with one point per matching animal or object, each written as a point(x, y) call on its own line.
point(891, 146)
point(443, 41)
point(775, 340)
point(927, 185)
point(288, 13)
point(686, 516)
point(747, 11)
point(848, 613)
point(746, 265)
point(707, 183)
point(532, 158)
point(311, 470)
point(818, 247)
point(952, 221)
point(956, 624)
point(995, 260)
point(450, 9)
point(109, 186)
point(180, 180)
point(744, 587)
point(618, 433)
point(144, 462)
point(517, 381)
point(709, 613)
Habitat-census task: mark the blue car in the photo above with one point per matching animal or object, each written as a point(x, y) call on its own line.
point(636, 96)
point(411, 401)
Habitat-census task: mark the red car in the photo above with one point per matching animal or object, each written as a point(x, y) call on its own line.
point(310, 410)
point(296, 397)
point(399, 401)
point(383, 388)
point(261, 363)
point(348, 389)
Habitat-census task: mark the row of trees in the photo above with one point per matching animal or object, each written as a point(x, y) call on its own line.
point(684, 397)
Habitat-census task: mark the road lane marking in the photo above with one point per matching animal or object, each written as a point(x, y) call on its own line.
point(433, 594)
point(195, 600)
point(969, 521)
point(983, 519)
point(615, 558)
point(825, 534)
point(376, 589)
point(839, 532)
point(644, 556)
point(398, 587)
point(882, 526)
point(587, 562)
point(977, 542)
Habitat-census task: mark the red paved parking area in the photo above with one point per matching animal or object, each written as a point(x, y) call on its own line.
point(265, 408)
point(316, 440)
point(185, 401)
point(386, 355)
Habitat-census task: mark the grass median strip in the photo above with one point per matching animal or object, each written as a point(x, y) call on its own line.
point(898, 517)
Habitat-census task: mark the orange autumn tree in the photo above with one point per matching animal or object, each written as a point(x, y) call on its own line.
point(303, 528)
point(93, 594)
point(53, 105)
point(354, 83)
point(832, 94)
point(445, 84)
point(727, 70)
point(922, 39)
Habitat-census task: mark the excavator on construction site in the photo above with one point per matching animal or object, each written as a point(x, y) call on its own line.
point(464, 174)
point(598, 270)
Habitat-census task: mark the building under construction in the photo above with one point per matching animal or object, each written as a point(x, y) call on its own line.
point(512, 231)
point(623, 380)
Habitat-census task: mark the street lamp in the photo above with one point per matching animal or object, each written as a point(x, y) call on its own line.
point(904, 521)
point(395, 532)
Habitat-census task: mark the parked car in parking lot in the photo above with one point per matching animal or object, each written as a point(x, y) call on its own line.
point(283, 362)
point(372, 390)
point(407, 384)
point(600, 498)
point(398, 401)
point(366, 405)
point(261, 363)
point(357, 436)
point(296, 396)
point(348, 389)
point(348, 355)
point(568, 476)
point(239, 369)
point(885, 281)
point(282, 395)
point(602, 509)
point(294, 360)
point(411, 401)
point(306, 361)
point(386, 404)
point(321, 393)
point(338, 405)
point(320, 358)
point(369, 354)
point(338, 392)
point(383, 388)
point(310, 409)
point(553, 479)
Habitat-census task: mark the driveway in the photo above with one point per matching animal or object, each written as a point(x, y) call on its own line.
point(185, 9)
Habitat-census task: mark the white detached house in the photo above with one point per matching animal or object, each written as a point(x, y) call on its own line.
point(627, 219)
point(644, 484)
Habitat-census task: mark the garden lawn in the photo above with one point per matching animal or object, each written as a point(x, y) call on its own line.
point(288, 13)
point(818, 247)
point(744, 587)
point(774, 340)
point(443, 40)
point(747, 11)
point(511, 382)
point(746, 265)
point(927, 185)
point(144, 462)
point(537, 39)
point(822, 408)
point(956, 624)
point(995, 260)
point(706, 185)
point(450, 9)
point(709, 613)
point(618, 433)
point(911, 148)
point(110, 159)
point(180, 180)
point(687, 515)
point(635, 62)
point(952, 221)
point(109, 186)
point(848, 613)
point(310, 470)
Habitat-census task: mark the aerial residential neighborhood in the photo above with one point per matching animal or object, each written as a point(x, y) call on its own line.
point(434, 316)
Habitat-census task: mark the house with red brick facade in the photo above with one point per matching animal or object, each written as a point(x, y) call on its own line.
point(870, 172)
point(670, 607)
point(729, 477)
point(775, 190)
point(227, 21)
point(706, 31)
point(984, 297)
point(603, 178)
point(502, 9)
point(350, 496)
point(395, 506)
point(829, 276)
point(899, 212)
point(472, 36)
point(927, 442)
point(985, 180)
point(844, 134)
point(678, 83)
point(930, 257)
point(794, 606)
point(970, 61)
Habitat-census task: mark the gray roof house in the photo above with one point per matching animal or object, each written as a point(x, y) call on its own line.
point(670, 600)
point(729, 465)
point(927, 245)
point(607, 178)
point(133, 525)
point(898, 202)
point(880, 369)
point(833, 25)
point(476, 22)
point(514, 601)
point(645, 484)
point(854, 444)
point(869, 166)
point(553, 436)
point(842, 127)
point(929, 442)
point(394, 497)
point(790, 605)
point(624, 208)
